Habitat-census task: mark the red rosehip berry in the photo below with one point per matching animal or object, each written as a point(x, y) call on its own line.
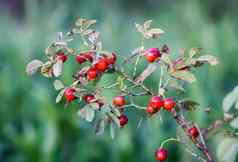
point(92, 73)
point(89, 98)
point(61, 56)
point(193, 132)
point(80, 58)
point(161, 154)
point(151, 110)
point(123, 119)
point(119, 101)
point(152, 54)
point(169, 104)
point(101, 65)
point(156, 102)
point(69, 94)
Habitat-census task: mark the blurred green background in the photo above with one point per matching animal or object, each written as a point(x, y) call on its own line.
point(33, 128)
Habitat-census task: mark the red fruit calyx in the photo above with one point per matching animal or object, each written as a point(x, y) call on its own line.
point(156, 102)
point(119, 101)
point(161, 154)
point(92, 73)
point(69, 94)
point(61, 56)
point(123, 119)
point(169, 104)
point(193, 132)
point(152, 54)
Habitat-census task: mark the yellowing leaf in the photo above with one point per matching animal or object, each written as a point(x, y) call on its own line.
point(184, 75)
point(212, 60)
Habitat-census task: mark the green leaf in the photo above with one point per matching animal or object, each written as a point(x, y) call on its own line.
point(87, 32)
point(230, 99)
point(139, 28)
point(147, 24)
point(174, 84)
point(212, 60)
point(50, 51)
point(184, 75)
point(89, 23)
point(87, 113)
point(234, 123)
point(227, 150)
point(58, 84)
point(165, 58)
point(100, 126)
point(58, 68)
point(114, 118)
point(33, 67)
point(146, 73)
point(112, 130)
point(59, 96)
point(193, 52)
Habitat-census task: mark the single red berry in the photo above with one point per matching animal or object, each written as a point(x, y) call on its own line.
point(119, 101)
point(92, 73)
point(101, 65)
point(89, 98)
point(152, 54)
point(151, 110)
point(169, 104)
point(193, 132)
point(161, 154)
point(61, 56)
point(156, 102)
point(80, 58)
point(69, 94)
point(123, 120)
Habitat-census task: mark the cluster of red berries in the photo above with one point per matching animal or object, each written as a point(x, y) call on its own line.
point(156, 103)
point(69, 94)
point(61, 56)
point(101, 65)
point(119, 102)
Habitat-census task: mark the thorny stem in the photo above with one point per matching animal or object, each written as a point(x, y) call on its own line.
point(128, 78)
point(185, 126)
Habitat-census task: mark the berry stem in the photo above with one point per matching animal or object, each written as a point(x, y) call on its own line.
point(169, 140)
